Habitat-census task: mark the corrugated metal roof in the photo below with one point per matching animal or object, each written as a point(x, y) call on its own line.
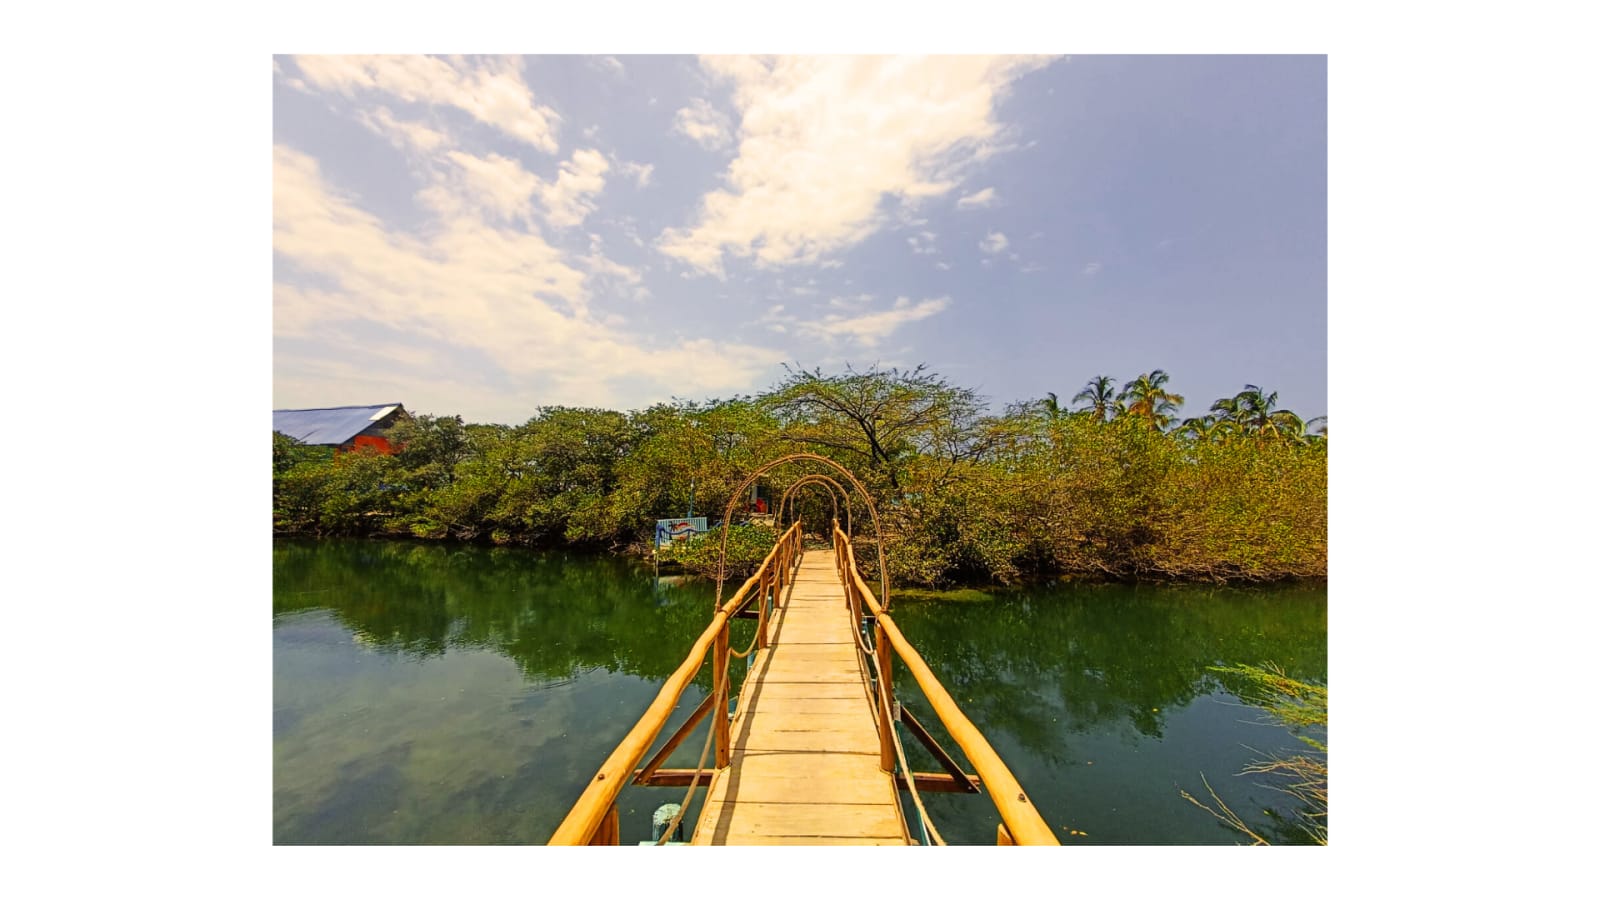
point(328, 426)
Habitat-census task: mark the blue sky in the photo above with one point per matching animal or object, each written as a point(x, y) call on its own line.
point(484, 236)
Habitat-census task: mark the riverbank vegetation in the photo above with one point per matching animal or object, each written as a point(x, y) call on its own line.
point(1113, 485)
point(1302, 707)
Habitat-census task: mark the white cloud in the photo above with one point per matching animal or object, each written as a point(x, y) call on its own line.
point(825, 140)
point(858, 301)
point(567, 201)
point(493, 186)
point(854, 321)
point(608, 64)
point(922, 243)
point(413, 137)
point(471, 284)
point(978, 200)
point(942, 266)
point(994, 243)
point(639, 172)
point(1092, 269)
point(704, 125)
point(490, 90)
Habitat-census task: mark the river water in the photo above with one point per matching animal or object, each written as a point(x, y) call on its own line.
point(431, 694)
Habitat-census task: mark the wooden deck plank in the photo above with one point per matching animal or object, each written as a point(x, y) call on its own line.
point(842, 707)
point(804, 765)
point(854, 691)
point(731, 821)
point(816, 841)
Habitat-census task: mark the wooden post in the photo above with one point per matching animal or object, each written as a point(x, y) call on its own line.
point(1003, 837)
point(719, 689)
point(761, 615)
point(609, 834)
point(886, 755)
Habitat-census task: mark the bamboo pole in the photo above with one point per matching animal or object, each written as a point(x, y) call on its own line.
point(761, 616)
point(1019, 815)
point(886, 754)
point(719, 689)
point(609, 834)
point(588, 813)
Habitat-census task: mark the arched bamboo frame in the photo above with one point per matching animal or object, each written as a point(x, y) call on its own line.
point(727, 518)
point(835, 493)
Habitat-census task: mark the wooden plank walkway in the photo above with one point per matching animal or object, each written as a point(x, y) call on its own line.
point(803, 766)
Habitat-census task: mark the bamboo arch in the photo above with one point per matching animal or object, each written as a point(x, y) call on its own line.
point(817, 478)
point(727, 518)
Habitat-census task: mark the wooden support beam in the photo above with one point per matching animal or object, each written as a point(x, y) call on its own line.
point(938, 752)
point(609, 834)
point(719, 696)
point(767, 584)
point(679, 778)
point(676, 739)
point(935, 783)
point(886, 754)
point(1003, 838)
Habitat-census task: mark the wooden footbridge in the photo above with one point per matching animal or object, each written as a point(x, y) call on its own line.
point(811, 751)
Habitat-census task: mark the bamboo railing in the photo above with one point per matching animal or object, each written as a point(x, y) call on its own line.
point(1020, 819)
point(593, 818)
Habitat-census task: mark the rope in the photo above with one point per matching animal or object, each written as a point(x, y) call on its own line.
point(911, 782)
point(711, 730)
point(753, 641)
point(900, 753)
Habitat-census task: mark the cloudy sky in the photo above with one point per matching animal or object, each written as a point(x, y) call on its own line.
point(484, 236)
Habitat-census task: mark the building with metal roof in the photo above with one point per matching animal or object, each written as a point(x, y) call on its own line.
point(345, 427)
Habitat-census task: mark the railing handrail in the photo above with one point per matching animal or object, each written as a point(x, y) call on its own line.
point(600, 795)
point(1020, 816)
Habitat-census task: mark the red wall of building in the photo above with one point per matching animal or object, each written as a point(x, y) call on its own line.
point(379, 444)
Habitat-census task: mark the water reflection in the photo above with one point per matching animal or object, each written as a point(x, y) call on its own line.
point(556, 615)
point(1063, 678)
point(433, 694)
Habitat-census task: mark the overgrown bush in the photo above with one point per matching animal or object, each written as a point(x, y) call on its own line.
point(1105, 492)
point(748, 545)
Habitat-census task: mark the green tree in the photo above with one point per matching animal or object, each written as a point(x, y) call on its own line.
point(1256, 413)
point(1146, 398)
point(428, 449)
point(1051, 407)
point(879, 419)
point(1100, 395)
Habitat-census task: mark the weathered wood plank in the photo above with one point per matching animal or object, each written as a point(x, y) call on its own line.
point(812, 841)
point(765, 706)
point(804, 764)
point(854, 691)
point(833, 820)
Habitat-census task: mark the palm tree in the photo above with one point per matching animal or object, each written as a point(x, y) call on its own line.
point(1254, 409)
point(1052, 408)
point(1098, 393)
point(1257, 413)
point(1227, 410)
point(1285, 424)
point(1319, 433)
point(1208, 428)
point(1146, 397)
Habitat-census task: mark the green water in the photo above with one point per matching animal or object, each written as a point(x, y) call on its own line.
point(425, 694)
